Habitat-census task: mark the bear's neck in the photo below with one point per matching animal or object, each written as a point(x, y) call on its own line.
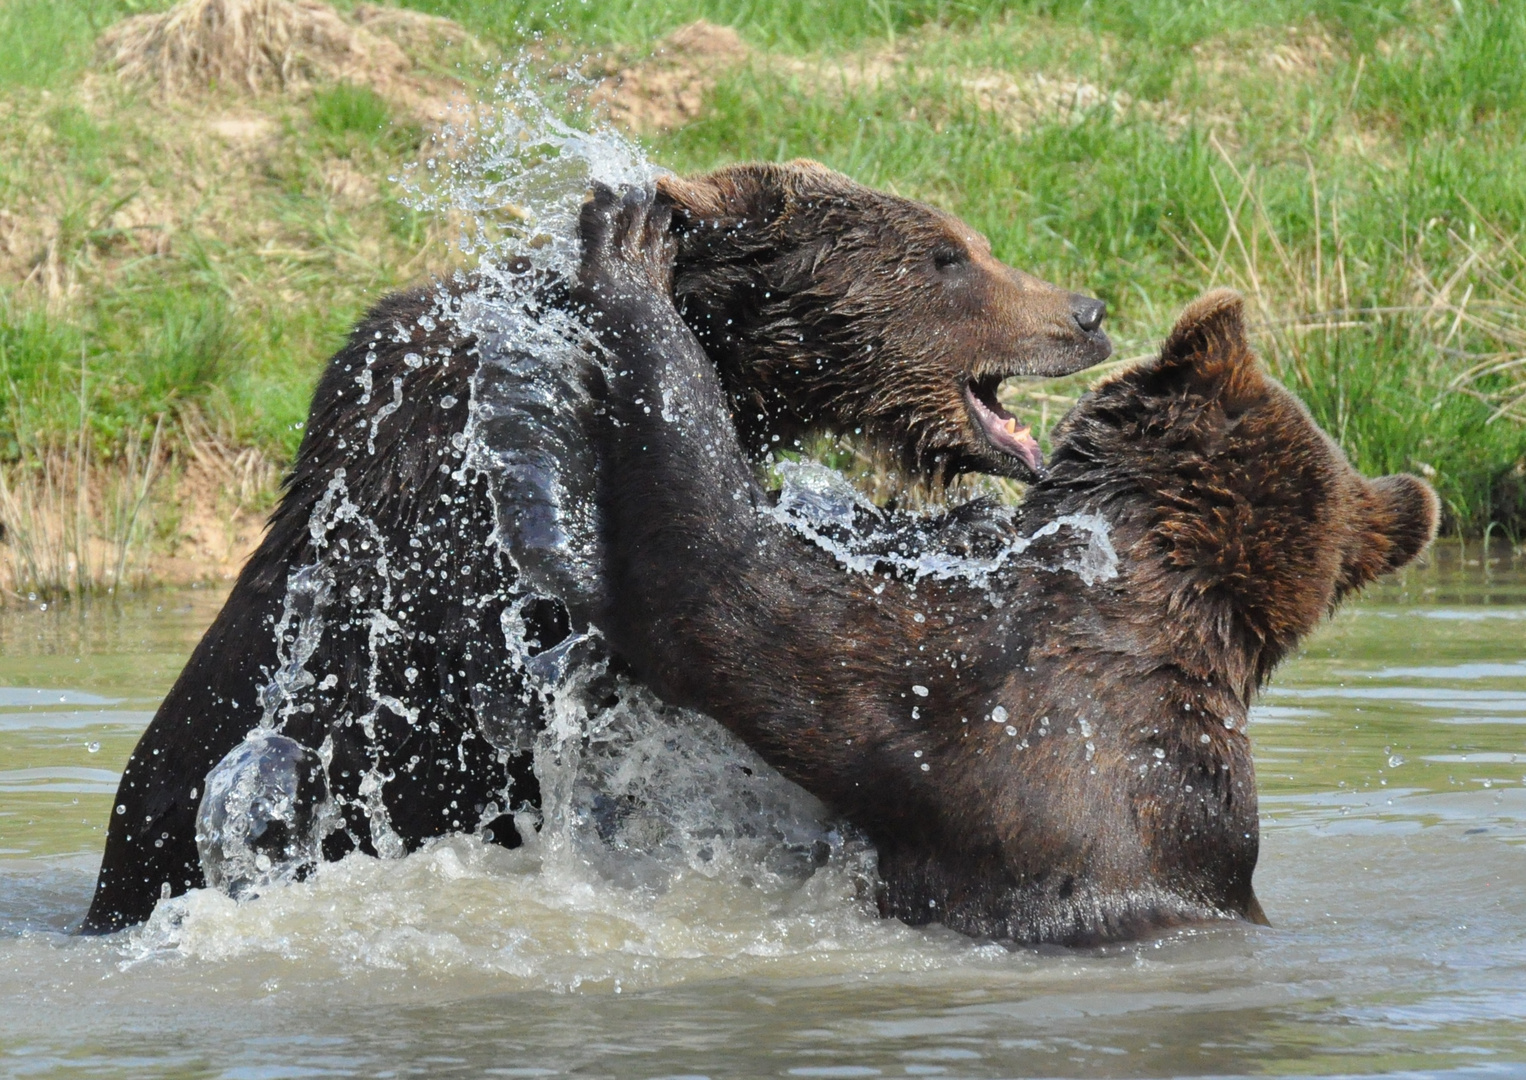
point(1217, 630)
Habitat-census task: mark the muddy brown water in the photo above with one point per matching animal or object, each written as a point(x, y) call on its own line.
point(1392, 766)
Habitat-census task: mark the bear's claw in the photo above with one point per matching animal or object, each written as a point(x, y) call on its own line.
point(628, 247)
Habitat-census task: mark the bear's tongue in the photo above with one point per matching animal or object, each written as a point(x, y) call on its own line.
point(1001, 428)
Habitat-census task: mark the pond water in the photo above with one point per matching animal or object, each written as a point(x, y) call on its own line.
point(1392, 761)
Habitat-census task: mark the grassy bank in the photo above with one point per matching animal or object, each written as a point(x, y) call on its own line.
point(174, 271)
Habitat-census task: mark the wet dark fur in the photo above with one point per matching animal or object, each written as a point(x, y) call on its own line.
point(827, 305)
point(216, 699)
point(1124, 798)
point(833, 293)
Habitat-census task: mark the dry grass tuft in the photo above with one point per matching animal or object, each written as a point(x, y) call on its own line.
point(244, 476)
point(255, 44)
point(74, 524)
point(74, 521)
point(430, 37)
point(1493, 305)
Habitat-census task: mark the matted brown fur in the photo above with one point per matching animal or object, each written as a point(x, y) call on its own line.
point(1039, 755)
point(831, 305)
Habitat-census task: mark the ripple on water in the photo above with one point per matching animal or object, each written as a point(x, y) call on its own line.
point(1398, 938)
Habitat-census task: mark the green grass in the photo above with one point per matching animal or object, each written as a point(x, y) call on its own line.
point(1458, 76)
point(345, 117)
point(1361, 157)
point(1136, 210)
point(791, 24)
point(48, 41)
point(808, 25)
point(344, 109)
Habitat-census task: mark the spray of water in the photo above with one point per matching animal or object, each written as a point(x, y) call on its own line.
point(822, 506)
point(632, 793)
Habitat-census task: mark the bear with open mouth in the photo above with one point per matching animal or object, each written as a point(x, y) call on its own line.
point(1038, 754)
point(444, 459)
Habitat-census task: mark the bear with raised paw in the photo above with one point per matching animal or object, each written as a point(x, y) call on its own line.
point(363, 685)
point(1049, 745)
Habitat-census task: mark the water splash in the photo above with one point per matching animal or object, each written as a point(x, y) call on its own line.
point(515, 174)
point(263, 817)
point(298, 633)
point(631, 792)
point(813, 494)
point(821, 505)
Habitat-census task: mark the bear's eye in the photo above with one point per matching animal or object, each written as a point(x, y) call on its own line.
point(948, 256)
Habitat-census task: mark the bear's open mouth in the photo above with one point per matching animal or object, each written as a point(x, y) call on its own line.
point(999, 426)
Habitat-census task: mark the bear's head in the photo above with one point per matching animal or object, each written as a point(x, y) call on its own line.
point(1239, 523)
point(826, 304)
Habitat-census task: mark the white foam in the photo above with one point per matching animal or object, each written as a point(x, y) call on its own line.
point(821, 505)
point(464, 911)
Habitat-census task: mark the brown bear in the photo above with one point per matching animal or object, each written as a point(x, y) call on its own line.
point(428, 561)
point(1049, 745)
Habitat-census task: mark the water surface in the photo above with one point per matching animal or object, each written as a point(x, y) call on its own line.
point(1392, 761)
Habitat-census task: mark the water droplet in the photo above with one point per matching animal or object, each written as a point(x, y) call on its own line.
point(920, 691)
point(999, 715)
point(92, 747)
point(1395, 760)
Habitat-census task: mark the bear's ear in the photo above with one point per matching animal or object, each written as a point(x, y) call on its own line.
point(756, 193)
point(1397, 519)
point(1208, 348)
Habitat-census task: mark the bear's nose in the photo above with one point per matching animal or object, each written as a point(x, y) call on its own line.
point(1087, 313)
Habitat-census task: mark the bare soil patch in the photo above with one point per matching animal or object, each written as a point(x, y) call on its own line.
point(668, 88)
